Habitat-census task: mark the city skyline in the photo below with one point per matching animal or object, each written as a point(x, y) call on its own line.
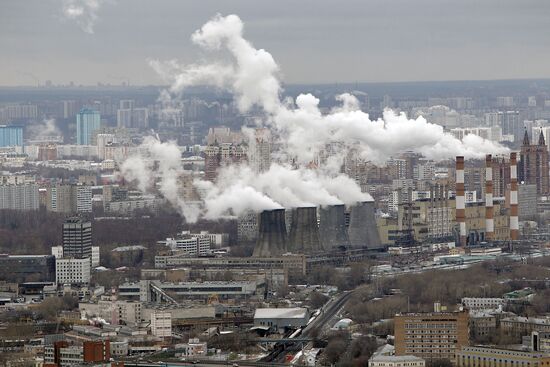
point(424, 41)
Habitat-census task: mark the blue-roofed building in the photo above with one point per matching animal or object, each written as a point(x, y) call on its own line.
point(87, 122)
point(11, 136)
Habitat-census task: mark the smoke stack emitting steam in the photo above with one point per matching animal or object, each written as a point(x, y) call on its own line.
point(298, 127)
point(460, 200)
point(514, 222)
point(489, 214)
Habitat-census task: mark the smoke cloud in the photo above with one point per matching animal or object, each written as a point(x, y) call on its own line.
point(302, 132)
point(83, 12)
point(45, 128)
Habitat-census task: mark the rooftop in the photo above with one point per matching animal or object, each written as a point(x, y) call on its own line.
point(282, 313)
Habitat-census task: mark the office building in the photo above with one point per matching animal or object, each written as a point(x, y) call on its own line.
point(77, 238)
point(88, 121)
point(431, 336)
point(11, 136)
point(71, 270)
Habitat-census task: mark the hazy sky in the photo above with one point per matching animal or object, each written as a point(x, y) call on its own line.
point(314, 41)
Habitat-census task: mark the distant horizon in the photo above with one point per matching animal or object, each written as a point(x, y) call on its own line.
point(106, 84)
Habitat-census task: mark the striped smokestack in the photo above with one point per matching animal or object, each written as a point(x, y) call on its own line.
point(489, 214)
point(514, 222)
point(460, 200)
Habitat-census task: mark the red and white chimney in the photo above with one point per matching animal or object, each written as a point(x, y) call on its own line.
point(489, 212)
point(514, 221)
point(460, 200)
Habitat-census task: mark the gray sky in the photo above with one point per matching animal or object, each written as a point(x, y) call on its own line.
point(314, 41)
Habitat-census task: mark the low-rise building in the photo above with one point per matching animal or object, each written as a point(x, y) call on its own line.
point(193, 348)
point(161, 324)
point(478, 303)
point(396, 361)
point(520, 326)
point(281, 318)
point(495, 357)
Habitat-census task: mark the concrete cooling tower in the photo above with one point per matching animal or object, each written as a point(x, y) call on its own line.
point(362, 226)
point(304, 233)
point(272, 238)
point(332, 227)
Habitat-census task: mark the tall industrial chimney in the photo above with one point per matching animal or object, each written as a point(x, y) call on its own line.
point(460, 200)
point(332, 227)
point(272, 238)
point(514, 222)
point(362, 227)
point(304, 233)
point(489, 213)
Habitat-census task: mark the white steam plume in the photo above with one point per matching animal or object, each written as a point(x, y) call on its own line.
point(303, 129)
point(47, 127)
point(238, 188)
point(83, 12)
point(162, 160)
point(303, 132)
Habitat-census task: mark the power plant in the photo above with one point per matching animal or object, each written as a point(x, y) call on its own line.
point(272, 237)
point(362, 228)
point(304, 233)
point(332, 227)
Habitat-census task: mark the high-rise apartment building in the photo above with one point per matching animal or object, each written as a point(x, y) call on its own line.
point(11, 136)
point(259, 153)
point(533, 166)
point(88, 121)
point(19, 197)
point(69, 199)
point(511, 124)
point(69, 109)
point(77, 238)
point(432, 336)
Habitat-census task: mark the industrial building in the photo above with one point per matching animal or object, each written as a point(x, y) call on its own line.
point(281, 319)
point(157, 291)
point(21, 268)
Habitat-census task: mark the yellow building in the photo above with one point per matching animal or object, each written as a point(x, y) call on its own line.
point(429, 220)
point(494, 357)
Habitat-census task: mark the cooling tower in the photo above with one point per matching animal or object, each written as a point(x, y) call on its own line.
point(332, 227)
point(362, 227)
point(272, 237)
point(304, 233)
